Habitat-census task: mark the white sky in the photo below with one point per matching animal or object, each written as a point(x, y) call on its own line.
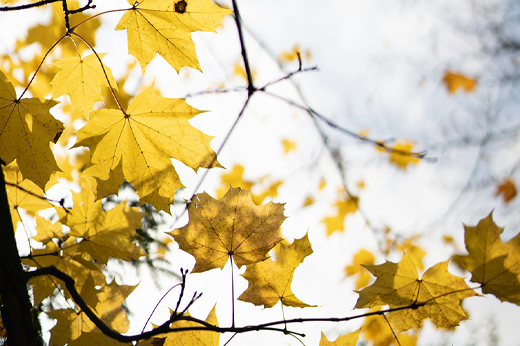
point(380, 68)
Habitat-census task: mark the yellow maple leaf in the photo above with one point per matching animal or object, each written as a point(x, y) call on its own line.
point(349, 339)
point(270, 281)
point(232, 226)
point(270, 191)
point(288, 146)
point(66, 259)
point(165, 27)
point(26, 131)
point(454, 81)
point(98, 339)
point(361, 258)
point(438, 293)
point(493, 263)
point(22, 193)
point(235, 179)
point(47, 230)
point(82, 79)
point(137, 146)
point(376, 330)
point(416, 253)
point(507, 189)
point(103, 234)
point(289, 56)
point(337, 222)
point(105, 302)
point(187, 338)
point(399, 159)
point(47, 34)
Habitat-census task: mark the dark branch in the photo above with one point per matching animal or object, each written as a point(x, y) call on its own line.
point(27, 6)
point(250, 87)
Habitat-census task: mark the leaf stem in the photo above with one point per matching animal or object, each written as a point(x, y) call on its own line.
point(232, 293)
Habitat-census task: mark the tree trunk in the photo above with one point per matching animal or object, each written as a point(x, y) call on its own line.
point(16, 306)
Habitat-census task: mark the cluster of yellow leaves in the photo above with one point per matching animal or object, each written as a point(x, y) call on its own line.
point(493, 263)
point(437, 295)
point(377, 331)
point(455, 81)
point(235, 179)
point(288, 56)
point(337, 222)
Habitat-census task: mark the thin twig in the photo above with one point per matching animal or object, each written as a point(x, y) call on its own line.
point(27, 6)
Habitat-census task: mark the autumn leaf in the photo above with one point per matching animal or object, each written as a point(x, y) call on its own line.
point(82, 79)
point(165, 27)
point(270, 281)
point(438, 294)
point(48, 34)
point(137, 145)
point(233, 178)
point(361, 258)
point(187, 338)
point(401, 160)
point(232, 226)
point(337, 222)
point(22, 193)
point(47, 230)
point(455, 81)
point(103, 234)
point(507, 189)
point(288, 146)
point(349, 339)
point(66, 259)
point(98, 339)
point(493, 263)
point(106, 303)
point(26, 130)
point(288, 56)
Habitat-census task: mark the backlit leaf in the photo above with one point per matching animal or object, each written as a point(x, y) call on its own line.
point(137, 146)
point(230, 226)
point(26, 131)
point(270, 281)
point(165, 27)
point(397, 285)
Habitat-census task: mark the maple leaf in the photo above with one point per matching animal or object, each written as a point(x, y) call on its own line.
point(26, 130)
point(493, 263)
point(47, 34)
point(270, 281)
point(507, 189)
point(361, 258)
point(438, 293)
point(47, 230)
point(288, 146)
point(82, 79)
point(399, 159)
point(22, 193)
point(454, 81)
point(349, 339)
point(188, 338)
point(65, 259)
point(232, 226)
point(137, 145)
point(337, 222)
point(103, 234)
point(165, 27)
point(105, 302)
